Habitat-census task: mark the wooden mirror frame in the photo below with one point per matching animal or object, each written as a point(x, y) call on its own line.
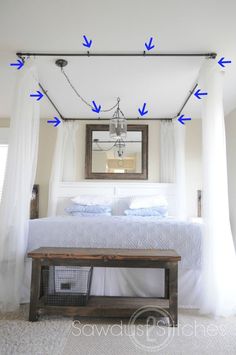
point(90, 128)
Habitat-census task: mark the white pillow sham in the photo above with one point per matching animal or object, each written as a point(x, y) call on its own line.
point(92, 200)
point(147, 202)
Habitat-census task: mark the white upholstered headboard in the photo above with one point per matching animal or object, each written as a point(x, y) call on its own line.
point(120, 191)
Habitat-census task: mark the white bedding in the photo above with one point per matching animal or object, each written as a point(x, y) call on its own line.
point(125, 232)
point(120, 232)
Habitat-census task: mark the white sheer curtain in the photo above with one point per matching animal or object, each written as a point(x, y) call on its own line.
point(180, 170)
point(64, 166)
point(17, 189)
point(172, 162)
point(219, 259)
point(167, 152)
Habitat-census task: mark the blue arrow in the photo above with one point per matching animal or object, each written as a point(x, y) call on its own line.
point(96, 108)
point(56, 122)
point(87, 43)
point(143, 112)
point(39, 95)
point(222, 62)
point(149, 45)
point(199, 94)
point(181, 119)
point(19, 64)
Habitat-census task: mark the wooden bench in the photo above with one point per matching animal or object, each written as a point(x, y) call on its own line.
point(104, 306)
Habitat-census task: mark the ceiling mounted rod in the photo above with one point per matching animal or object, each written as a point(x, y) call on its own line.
point(207, 55)
point(127, 119)
point(50, 100)
point(98, 118)
point(108, 119)
point(187, 100)
point(211, 55)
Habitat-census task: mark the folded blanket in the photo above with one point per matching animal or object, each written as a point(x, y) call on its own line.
point(88, 209)
point(160, 211)
point(147, 202)
point(87, 214)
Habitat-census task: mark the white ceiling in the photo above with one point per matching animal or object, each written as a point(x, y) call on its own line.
point(118, 26)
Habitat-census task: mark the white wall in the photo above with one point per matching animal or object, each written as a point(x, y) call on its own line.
point(231, 160)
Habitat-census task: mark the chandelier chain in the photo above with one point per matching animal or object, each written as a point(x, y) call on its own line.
point(81, 97)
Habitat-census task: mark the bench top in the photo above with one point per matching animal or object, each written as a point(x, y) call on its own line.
point(107, 253)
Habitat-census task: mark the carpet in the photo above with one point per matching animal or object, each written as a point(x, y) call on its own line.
point(195, 335)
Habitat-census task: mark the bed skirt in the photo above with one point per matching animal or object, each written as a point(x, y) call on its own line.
point(134, 282)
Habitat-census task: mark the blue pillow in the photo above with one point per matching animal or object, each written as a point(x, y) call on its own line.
point(160, 211)
point(88, 209)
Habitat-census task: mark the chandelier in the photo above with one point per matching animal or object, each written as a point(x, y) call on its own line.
point(119, 147)
point(118, 124)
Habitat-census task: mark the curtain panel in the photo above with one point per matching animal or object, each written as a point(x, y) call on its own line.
point(167, 152)
point(219, 259)
point(64, 166)
point(17, 188)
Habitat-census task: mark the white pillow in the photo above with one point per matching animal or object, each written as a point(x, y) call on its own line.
point(92, 200)
point(147, 202)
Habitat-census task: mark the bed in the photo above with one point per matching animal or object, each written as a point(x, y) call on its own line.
point(119, 231)
point(126, 232)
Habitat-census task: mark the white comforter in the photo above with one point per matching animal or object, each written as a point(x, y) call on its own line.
point(120, 232)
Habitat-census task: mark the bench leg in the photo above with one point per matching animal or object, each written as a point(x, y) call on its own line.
point(173, 293)
point(35, 290)
point(166, 284)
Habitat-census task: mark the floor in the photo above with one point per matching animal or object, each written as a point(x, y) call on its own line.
point(62, 336)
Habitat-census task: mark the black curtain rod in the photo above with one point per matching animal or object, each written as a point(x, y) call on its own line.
point(50, 100)
point(191, 92)
point(108, 119)
point(211, 55)
point(208, 55)
point(95, 119)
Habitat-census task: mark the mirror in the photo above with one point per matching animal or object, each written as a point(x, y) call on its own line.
point(108, 158)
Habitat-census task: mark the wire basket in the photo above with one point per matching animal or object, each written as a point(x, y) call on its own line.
point(66, 285)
